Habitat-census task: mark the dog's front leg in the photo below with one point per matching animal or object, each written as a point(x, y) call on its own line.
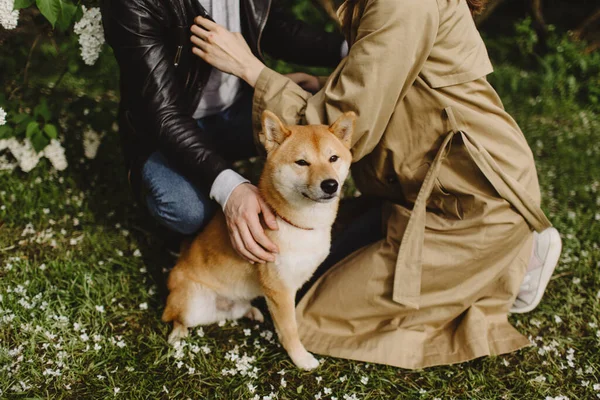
point(282, 307)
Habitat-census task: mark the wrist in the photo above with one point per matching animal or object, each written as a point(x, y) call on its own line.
point(251, 71)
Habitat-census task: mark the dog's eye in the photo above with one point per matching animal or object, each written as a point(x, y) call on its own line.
point(333, 158)
point(302, 163)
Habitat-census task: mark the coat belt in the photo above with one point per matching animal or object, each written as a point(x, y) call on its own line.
point(407, 277)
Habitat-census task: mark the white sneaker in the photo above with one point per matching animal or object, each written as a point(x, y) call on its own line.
point(546, 252)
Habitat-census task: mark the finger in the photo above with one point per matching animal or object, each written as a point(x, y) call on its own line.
point(199, 42)
point(206, 23)
point(199, 31)
point(268, 214)
point(252, 246)
point(240, 248)
point(258, 233)
point(200, 53)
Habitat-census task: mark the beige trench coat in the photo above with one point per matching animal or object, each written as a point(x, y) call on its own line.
point(459, 180)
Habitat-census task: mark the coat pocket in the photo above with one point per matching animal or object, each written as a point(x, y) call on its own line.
point(442, 201)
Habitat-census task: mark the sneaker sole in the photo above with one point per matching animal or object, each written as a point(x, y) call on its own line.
point(548, 268)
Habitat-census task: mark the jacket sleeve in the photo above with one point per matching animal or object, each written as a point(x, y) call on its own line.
point(135, 30)
point(289, 39)
point(393, 42)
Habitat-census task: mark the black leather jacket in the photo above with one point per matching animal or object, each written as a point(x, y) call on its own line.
point(162, 81)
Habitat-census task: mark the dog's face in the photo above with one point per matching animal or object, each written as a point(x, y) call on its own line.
point(308, 162)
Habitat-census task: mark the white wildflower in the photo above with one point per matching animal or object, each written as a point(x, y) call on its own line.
point(283, 382)
point(539, 379)
point(364, 380)
point(91, 142)
point(205, 349)
point(8, 16)
point(137, 253)
point(144, 306)
point(56, 154)
point(247, 332)
point(91, 34)
point(576, 281)
point(557, 319)
point(2, 112)
point(251, 388)
point(116, 390)
point(100, 309)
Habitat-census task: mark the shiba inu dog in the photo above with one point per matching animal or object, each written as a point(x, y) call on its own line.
point(301, 181)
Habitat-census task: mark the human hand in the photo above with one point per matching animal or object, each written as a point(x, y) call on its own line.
point(247, 235)
point(308, 82)
point(225, 50)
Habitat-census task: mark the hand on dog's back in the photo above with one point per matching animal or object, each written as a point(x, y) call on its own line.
point(242, 213)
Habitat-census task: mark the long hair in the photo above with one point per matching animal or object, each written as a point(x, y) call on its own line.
point(476, 7)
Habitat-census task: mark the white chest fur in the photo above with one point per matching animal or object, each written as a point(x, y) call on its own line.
point(300, 252)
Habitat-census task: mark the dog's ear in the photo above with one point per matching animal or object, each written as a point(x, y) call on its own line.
point(273, 131)
point(343, 127)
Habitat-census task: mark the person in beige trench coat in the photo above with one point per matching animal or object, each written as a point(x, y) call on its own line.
point(458, 180)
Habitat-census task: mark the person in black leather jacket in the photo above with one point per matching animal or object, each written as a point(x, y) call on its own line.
point(172, 158)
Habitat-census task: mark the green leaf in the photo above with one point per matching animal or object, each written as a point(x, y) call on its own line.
point(51, 131)
point(51, 9)
point(32, 128)
point(22, 4)
point(39, 141)
point(5, 131)
point(66, 16)
point(42, 110)
point(18, 118)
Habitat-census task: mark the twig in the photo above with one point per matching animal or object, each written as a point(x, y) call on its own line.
point(539, 24)
point(581, 30)
point(33, 46)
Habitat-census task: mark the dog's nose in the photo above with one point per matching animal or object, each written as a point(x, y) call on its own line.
point(329, 186)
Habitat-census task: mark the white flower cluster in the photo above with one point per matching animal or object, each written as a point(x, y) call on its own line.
point(91, 142)
point(91, 34)
point(28, 158)
point(56, 154)
point(8, 16)
point(2, 114)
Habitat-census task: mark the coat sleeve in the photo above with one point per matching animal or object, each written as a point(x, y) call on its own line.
point(136, 31)
point(393, 41)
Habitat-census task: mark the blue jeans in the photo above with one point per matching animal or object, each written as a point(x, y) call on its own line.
point(172, 199)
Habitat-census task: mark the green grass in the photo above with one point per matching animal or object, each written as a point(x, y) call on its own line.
point(80, 310)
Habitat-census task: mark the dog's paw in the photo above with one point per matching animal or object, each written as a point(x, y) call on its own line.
point(179, 332)
point(305, 361)
point(255, 314)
